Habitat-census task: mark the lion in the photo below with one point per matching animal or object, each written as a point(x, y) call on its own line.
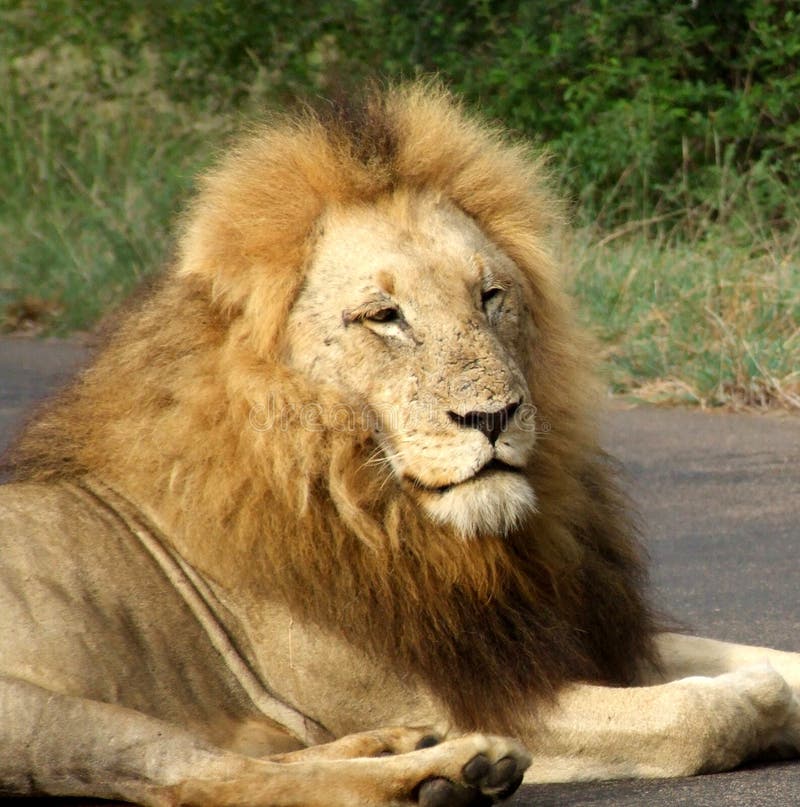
point(327, 521)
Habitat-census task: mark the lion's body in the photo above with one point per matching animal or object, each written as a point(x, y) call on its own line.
point(83, 622)
point(345, 451)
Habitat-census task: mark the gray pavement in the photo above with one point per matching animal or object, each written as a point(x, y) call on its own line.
point(719, 499)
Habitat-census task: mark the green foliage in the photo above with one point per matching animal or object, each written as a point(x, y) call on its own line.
point(646, 104)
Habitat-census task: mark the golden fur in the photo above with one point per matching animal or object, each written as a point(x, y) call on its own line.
point(165, 415)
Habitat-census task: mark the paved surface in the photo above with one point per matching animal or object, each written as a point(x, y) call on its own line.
point(719, 497)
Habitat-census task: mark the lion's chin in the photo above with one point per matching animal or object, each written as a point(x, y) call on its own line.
point(496, 502)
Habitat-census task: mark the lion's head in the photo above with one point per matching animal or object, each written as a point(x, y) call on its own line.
point(360, 390)
point(418, 319)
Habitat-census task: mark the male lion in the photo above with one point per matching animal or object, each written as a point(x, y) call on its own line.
point(306, 491)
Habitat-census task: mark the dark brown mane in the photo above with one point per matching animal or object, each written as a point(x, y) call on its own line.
point(166, 416)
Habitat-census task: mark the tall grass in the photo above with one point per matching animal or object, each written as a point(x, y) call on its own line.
point(712, 321)
point(91, 181)
point(95, 161)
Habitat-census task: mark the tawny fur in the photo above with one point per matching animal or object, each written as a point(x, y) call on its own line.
point(165, 415)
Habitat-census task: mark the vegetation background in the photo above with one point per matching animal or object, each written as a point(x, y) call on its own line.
point(673, 124)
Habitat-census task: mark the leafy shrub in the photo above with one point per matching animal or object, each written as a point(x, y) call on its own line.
point(648, 105)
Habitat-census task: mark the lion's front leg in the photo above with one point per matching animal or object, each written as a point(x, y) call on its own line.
point(681, 728)
point(470, 771)
point(56, 744)
point(487, 777)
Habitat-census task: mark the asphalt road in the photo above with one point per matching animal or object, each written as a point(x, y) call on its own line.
point(719, 499)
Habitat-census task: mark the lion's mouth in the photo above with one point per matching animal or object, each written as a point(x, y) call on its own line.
point(493, 466)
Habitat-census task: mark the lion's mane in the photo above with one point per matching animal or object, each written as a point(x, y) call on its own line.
point(188, 412)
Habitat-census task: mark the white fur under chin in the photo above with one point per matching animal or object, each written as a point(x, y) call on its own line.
point(496, 504)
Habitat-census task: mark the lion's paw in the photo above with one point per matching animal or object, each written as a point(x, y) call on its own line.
point(754, 714)
point(492, 772)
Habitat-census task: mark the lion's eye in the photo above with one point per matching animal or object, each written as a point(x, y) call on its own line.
point(490, 295)
point(388, 314)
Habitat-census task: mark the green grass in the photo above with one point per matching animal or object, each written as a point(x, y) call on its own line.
point(711, 321)
point(95, 162)
point(91, 180)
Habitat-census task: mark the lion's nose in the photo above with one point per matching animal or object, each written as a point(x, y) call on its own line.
point(491, 424)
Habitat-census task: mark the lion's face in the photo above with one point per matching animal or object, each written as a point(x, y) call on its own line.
point(418, 319)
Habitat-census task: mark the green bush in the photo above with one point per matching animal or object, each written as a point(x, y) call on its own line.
point(648, 105)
